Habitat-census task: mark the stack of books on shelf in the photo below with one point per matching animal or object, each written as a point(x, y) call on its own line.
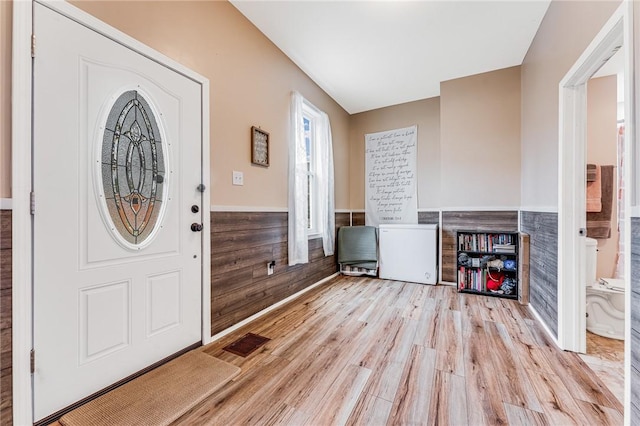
point(499, 243)
point(504, 248)
point(472, 279)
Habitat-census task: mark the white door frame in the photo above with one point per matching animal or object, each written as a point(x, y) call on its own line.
point(22, 184)
point(571, 170)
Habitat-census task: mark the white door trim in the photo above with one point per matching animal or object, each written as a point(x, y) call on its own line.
point(22, 184)
point(571, 186)
point(21, 214)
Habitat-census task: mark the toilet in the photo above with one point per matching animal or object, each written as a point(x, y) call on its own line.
point(605, 298)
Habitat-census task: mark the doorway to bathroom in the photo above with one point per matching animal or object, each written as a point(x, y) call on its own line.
point(615, 36)
point(605, 212)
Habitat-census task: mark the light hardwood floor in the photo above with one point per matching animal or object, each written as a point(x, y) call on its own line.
point(374, 352)
point(606, 358)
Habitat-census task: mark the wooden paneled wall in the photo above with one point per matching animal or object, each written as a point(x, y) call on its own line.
point(543, 264)
point(241, 245)
point(357, 219)
point(429, 218)
point(635, 321)
point(453, 221)
point(6, 385)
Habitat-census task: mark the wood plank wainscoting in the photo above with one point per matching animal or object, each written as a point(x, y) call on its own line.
point(427, 218)
point(241, 245)
point(453, 221)
point(357, 219)
point(635, 321)
point(6, 384)
point(542, 228)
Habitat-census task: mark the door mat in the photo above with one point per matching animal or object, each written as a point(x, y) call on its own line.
point(158, 397)
point(246, 344)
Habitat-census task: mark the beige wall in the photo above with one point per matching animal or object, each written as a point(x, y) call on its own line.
point(5, 98)
point(602, 149)
point(468, 137)
point(480, 140)
point(250, 80)
point(566, 30)
point(602, 129)
point(426, 115)
point(217, 41)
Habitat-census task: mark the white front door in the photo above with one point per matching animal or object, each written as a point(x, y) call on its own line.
point(117, 164)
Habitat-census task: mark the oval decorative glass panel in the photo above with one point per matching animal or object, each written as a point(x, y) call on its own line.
point(133, 167)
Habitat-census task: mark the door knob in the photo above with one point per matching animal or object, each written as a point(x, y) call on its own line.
point(196, 227)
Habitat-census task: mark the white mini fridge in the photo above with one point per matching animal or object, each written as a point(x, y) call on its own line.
point(409, 253)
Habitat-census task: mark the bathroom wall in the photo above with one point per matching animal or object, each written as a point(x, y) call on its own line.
point(602, 149)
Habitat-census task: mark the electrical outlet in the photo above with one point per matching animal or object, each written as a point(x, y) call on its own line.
point(238, 178)
point(270, 267)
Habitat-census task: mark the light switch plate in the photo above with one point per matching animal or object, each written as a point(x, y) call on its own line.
point(238, 178)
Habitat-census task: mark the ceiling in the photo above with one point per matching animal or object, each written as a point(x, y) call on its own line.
point(371, 54)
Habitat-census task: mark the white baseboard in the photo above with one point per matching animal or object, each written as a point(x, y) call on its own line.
point(269, 309)
point(543, 324)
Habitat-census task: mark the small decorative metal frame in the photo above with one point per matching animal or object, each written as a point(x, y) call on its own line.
point(259, 147)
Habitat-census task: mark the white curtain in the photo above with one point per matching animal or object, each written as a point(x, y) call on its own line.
point(325, 184)
point(298, 243)
point(298, 191)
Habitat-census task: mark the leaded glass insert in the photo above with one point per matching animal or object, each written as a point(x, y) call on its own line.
point(133, 169)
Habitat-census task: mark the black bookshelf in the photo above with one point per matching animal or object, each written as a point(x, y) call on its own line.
point(487, 263)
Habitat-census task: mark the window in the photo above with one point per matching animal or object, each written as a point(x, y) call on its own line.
point(311, 192)
point(314, 227)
